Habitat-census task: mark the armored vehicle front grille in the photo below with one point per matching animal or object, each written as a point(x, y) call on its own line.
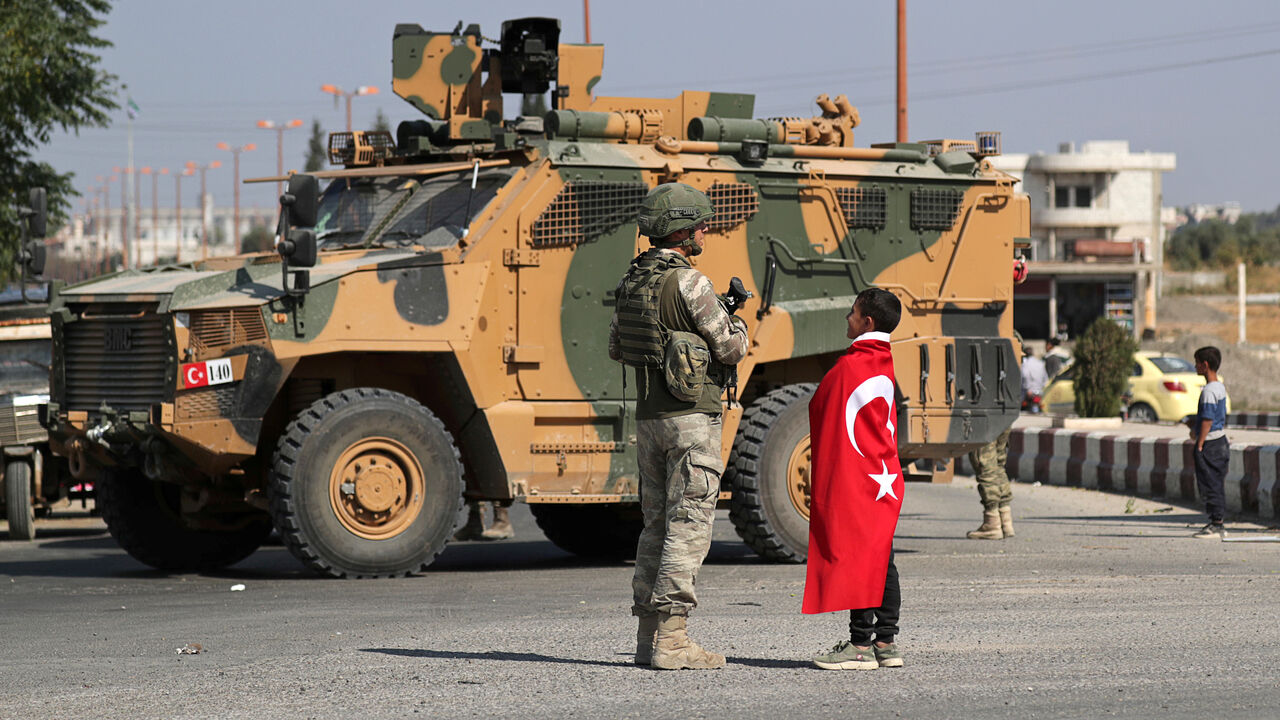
point(935, 208)
point(225, 328)
point(119, 359)
point(584, 210)
point(863, 207)
point(734, 203)
point(208, 402)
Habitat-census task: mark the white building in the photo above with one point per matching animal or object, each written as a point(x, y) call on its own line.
point(90, 237)
point(1098, 233)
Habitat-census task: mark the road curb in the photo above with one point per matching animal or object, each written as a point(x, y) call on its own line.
point(1144, 466)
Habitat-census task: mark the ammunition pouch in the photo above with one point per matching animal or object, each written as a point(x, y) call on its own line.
point(685, 364)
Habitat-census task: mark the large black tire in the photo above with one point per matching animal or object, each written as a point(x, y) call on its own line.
point(366, 483)
point(772, 430)
point(143, 517)
point(599, 532)
point(17, 498)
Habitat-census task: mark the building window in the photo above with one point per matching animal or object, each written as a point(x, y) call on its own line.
point(1068, 196)
point(1084, 196)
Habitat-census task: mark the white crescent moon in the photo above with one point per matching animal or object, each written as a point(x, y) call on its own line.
point(879, 386)
point(194, 370)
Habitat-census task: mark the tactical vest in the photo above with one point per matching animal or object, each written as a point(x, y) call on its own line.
point(648, 310)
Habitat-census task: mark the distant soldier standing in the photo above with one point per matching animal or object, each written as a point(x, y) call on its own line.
point(672, 328)
point(994, 490)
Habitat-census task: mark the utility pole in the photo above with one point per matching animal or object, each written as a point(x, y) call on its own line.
point(902, 71)
point(235, 222)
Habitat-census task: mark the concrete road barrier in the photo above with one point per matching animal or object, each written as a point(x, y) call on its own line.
point(1254, 419)
point(1143, 461)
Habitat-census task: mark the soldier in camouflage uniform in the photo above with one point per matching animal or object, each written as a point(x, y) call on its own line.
point(672, 328)
point(993, 489)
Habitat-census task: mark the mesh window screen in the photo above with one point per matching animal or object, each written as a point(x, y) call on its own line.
point(864, 207)
point(935, 208)
point(586, 209)
point(734, 203)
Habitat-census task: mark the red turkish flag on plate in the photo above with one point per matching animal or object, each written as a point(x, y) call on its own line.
point(855, 480)
point(212, 372)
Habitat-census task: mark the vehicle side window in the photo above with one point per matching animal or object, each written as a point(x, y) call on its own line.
point(1137, 370)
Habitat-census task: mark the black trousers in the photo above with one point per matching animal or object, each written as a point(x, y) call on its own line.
point(1211, 470)
point(882, 622)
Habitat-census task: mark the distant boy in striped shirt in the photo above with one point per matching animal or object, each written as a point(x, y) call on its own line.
point(1208, 432)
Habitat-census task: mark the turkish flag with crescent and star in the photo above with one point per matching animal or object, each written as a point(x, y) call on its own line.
point(855, 480)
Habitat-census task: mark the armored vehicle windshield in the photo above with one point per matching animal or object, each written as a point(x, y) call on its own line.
point(400, 211)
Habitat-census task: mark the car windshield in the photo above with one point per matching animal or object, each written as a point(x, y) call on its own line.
point(401, 211)
point(1172, 364)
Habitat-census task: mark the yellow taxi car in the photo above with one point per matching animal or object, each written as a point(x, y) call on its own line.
point(1161, 387)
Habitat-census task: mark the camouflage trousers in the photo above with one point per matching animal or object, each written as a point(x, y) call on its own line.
point(988, 466)
point(680, 470)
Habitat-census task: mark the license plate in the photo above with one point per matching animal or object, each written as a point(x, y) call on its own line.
point(211, 372)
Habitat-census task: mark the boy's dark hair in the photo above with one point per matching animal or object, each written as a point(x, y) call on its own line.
point(882, 306)
point(1210, 356)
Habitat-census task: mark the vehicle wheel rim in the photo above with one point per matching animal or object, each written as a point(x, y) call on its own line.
point(798, 477)
point(375, 488)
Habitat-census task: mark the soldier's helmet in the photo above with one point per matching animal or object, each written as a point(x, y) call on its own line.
point(670, 208)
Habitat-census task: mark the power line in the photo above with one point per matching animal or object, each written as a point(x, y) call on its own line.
point(953, 65)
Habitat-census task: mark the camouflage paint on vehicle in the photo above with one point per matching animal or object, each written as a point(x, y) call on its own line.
point(500, 329)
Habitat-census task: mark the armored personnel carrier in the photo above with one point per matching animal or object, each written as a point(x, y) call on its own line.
point(446, 335)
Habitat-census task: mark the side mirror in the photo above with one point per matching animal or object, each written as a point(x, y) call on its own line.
point(299, 248)
point(37, 221)
point(33, 258)
point(302, 199)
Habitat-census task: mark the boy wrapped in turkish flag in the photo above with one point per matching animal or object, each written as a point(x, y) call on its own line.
point(856, 490)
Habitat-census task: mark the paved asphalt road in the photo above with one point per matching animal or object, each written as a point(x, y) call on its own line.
point(1088, 612)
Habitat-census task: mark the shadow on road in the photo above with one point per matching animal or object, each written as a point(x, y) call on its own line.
point(539, 658)
point(1165, 518)
point(493, 655)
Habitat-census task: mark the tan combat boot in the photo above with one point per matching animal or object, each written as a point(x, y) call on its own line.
point(673, 650)
point(990, 529)
point(474, 529)
point(1006, 521)
point(501, 528)
point(645, 635)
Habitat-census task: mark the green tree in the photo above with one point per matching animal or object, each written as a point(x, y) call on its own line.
point(381, 123)
point(1103, 359)
point(258, 239)
point(49, 80)
point(317, 150)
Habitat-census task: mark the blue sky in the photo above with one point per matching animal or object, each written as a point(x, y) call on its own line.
point(1193, 78)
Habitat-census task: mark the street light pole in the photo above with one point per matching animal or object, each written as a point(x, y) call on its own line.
point(338, 92)
point(124, 214)
point(279, 128)
point(136, 226)
point(204, 223)
point(177, 211)
point(235, 222)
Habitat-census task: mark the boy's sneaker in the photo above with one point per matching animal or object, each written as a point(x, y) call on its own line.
point(1210, 531)
point(888, 656)
point(847, 656)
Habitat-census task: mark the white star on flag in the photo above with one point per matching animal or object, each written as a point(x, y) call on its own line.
point(885, 480)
